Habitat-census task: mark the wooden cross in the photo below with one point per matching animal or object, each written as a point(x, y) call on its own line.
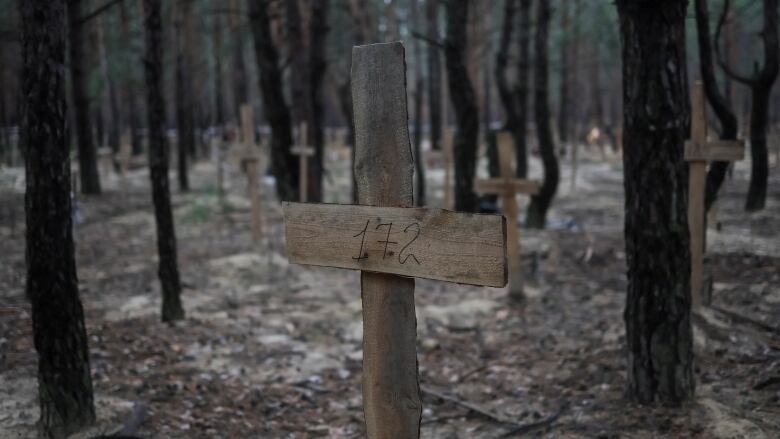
point(250, 159)
point(392, 242)
point(447, 147)
point(303, 151)
point(106, 160)
point(508, 187)
point(699, 151)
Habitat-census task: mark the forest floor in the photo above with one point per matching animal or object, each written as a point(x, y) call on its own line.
point(273, 350)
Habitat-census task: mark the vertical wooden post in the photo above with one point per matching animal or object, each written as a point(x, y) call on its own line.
point(303, 160)
point(696, 180)
point(384, 174)
point(509, 208)
point(574, 162)
point(250, 160)
point(447, 159)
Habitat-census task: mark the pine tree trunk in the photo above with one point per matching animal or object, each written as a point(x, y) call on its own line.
point(158, 164)
point(88, 166)
point(759, 157)
point(540, 203)
point(761, 88)
point(419, 170)
point(464, 103)
point(283, 163)
point(64, 382)
point(564, 94)
point(239, 79)
point(129, 88)
point(114, 127)
point(185, 139)
point(719, 102)
point(655, 96)
point(434, 74)
point(317, 68)
point(219, 100)
point(508, 100)
point(522, 88)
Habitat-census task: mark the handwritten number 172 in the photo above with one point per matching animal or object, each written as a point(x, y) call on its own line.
point(403, 255)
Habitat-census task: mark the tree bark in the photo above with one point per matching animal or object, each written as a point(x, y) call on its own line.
point(719, 102)
point(168, 270)
point(565, 84)
point(419, 169)
point(239, 79)
point(88, 167)
point(522, 88)
point(505, 93)
point(283, 163)
point(114, 127)
point(59, 334)
point(129, 88)
point(219, 99)
point(317, 68)
point(185, 121)
point(464, 103)
point(540, 203)
point(434, 74)
point(656, 124)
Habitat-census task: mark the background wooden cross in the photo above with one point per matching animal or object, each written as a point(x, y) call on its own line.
point(508, 187)
point(393, 244)
point(106, 160)
point(698, 151)
point(250, 158)
point(447, 151)
point(303, 151)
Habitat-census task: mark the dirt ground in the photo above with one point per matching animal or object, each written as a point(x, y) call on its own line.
point(273, 350)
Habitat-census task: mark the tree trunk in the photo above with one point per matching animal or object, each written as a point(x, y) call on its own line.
point(317, 68)
point(419, 198)
point(761, 88)
point(464, 102)
point(540, 203)
point(59, 334)
point(434, 74)
point(522, 89)
point(158, 164)
point(655, 94)
point(565, 84)
point(129, 87)
point(508, 100)
point(283, 163)
point(185, 122)
point(719, 102)
point(219, 100)
point(239, 78)
point(109, 89)
point(88, 167)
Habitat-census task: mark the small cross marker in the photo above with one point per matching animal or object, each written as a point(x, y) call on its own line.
point(508, 187)
point(250, 158)
point(391, 242)
point(698, 151)
point(303, 151)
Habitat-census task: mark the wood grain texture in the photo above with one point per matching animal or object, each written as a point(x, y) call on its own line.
point(415, 242)
point(696, 179)
point(384, 177)
point(715, 151)
point(509, 206)
point(696, 174)
point(500, 185)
